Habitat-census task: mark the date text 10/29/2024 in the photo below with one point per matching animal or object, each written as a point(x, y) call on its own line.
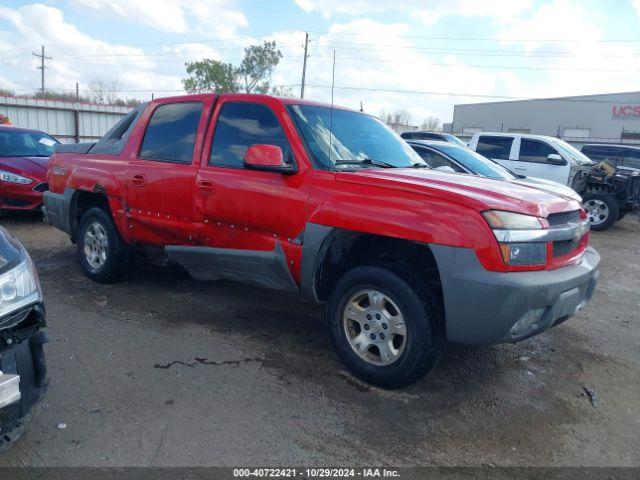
point(315, 473)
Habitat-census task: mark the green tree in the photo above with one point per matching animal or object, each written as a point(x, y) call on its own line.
point(210, 75)
point(252, 76)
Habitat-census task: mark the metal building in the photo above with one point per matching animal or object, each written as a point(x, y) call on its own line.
point(606, 118)
point(69, 122)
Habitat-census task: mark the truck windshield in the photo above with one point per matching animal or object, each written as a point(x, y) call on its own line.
point(570, 151)
point(351, 139)
point(477, 163)
point(19, 143)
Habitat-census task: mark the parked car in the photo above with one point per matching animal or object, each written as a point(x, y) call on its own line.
point(536, 156)
point(610, 193)
point(422, 135)
point(24, 156)
point(455, 158)
point(23, 370)
point(617, 155)
point(329, 203)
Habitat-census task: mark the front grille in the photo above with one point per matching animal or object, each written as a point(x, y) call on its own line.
point(41, 187)
point(12, 202)
point(562, 218)
point(565, 247)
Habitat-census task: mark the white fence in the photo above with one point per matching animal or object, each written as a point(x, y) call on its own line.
point(69, 122)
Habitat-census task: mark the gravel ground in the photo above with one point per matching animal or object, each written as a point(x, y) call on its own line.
point(163, 370)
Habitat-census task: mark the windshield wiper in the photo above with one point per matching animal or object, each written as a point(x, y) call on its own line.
point(365, 161)
point(420, 165)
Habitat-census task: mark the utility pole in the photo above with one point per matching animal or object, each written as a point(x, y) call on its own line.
point(42, 58)
point(304, 64)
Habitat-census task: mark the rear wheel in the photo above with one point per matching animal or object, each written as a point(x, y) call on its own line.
point(104, 256)
point(386, 324)
point(602, 210)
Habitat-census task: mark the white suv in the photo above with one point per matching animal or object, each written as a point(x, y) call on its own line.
point(533, 155)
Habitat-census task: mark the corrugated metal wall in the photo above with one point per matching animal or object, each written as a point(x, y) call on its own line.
point(68, 122)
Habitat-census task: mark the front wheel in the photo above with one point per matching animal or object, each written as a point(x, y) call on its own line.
point(386, 324)
point(602, 210)
point(104, 256)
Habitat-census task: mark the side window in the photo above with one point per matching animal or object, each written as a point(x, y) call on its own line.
point(495, 147)
point(171, 133)
point(534, 151)
point(631, 158)
point(435, 160)
point(241, 125)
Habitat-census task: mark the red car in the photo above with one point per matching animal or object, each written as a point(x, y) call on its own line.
point(24, 158)
point(329, 203)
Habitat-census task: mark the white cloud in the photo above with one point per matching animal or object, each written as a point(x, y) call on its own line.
point(219, 18)
point(427, 11)
point(38, 24)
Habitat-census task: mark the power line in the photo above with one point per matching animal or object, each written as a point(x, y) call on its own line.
point(486, 39)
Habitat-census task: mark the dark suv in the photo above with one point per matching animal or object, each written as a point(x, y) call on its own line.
point(444, 137)
point(617, 155)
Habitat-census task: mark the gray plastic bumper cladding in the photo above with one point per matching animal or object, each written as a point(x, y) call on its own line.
point(57, 209)
point(483, 307)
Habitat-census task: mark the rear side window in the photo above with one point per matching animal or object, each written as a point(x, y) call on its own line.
point(631, 158)
point(534, 151)
point(171, 134)
point(241, 125)
point(495, 147)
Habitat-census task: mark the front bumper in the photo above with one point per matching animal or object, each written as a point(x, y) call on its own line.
point(22, 354)
point(21, 197)
point(483, 307)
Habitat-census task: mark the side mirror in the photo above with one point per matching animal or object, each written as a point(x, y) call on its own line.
point(268, 158)
point(445, 168)
point(555, 159)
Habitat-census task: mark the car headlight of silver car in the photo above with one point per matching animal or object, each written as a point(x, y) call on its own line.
point(19, 287)
point(9, 177)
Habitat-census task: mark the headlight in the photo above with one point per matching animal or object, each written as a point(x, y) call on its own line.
point(19, 287)
point(13, 178)
point(513, 221)
point(522, 238)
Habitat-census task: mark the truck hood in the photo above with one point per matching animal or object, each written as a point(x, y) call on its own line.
point(30, 167)
point(550, 186)
point(475, 192)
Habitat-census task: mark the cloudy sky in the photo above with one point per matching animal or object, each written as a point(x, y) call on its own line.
point(420, 55)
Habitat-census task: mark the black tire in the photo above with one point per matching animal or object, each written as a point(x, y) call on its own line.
point(422, 314)
point(602, 223)
point(9, 439)
point(119, 255)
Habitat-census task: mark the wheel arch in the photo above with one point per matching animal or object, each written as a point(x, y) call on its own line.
point(329, 252)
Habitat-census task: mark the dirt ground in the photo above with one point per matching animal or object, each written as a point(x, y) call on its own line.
point(163, 370)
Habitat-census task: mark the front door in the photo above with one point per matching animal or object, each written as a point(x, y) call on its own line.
point(251, 220)
point(532, 161)
point(161, 175)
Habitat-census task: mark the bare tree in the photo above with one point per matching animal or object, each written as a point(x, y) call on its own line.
point(431, 124)
point(103, 92)
point(398, 117)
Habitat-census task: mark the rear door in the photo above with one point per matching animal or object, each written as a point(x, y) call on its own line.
point(531, 160)
point(496, 148)
point(161, 174)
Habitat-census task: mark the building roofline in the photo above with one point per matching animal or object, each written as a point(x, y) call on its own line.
point(567, 98)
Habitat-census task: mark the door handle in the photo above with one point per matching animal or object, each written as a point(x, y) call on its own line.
point(519, 168)
point(206, 187)
point(138, 180)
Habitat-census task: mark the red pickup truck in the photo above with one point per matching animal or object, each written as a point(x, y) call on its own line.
point(328, 202)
